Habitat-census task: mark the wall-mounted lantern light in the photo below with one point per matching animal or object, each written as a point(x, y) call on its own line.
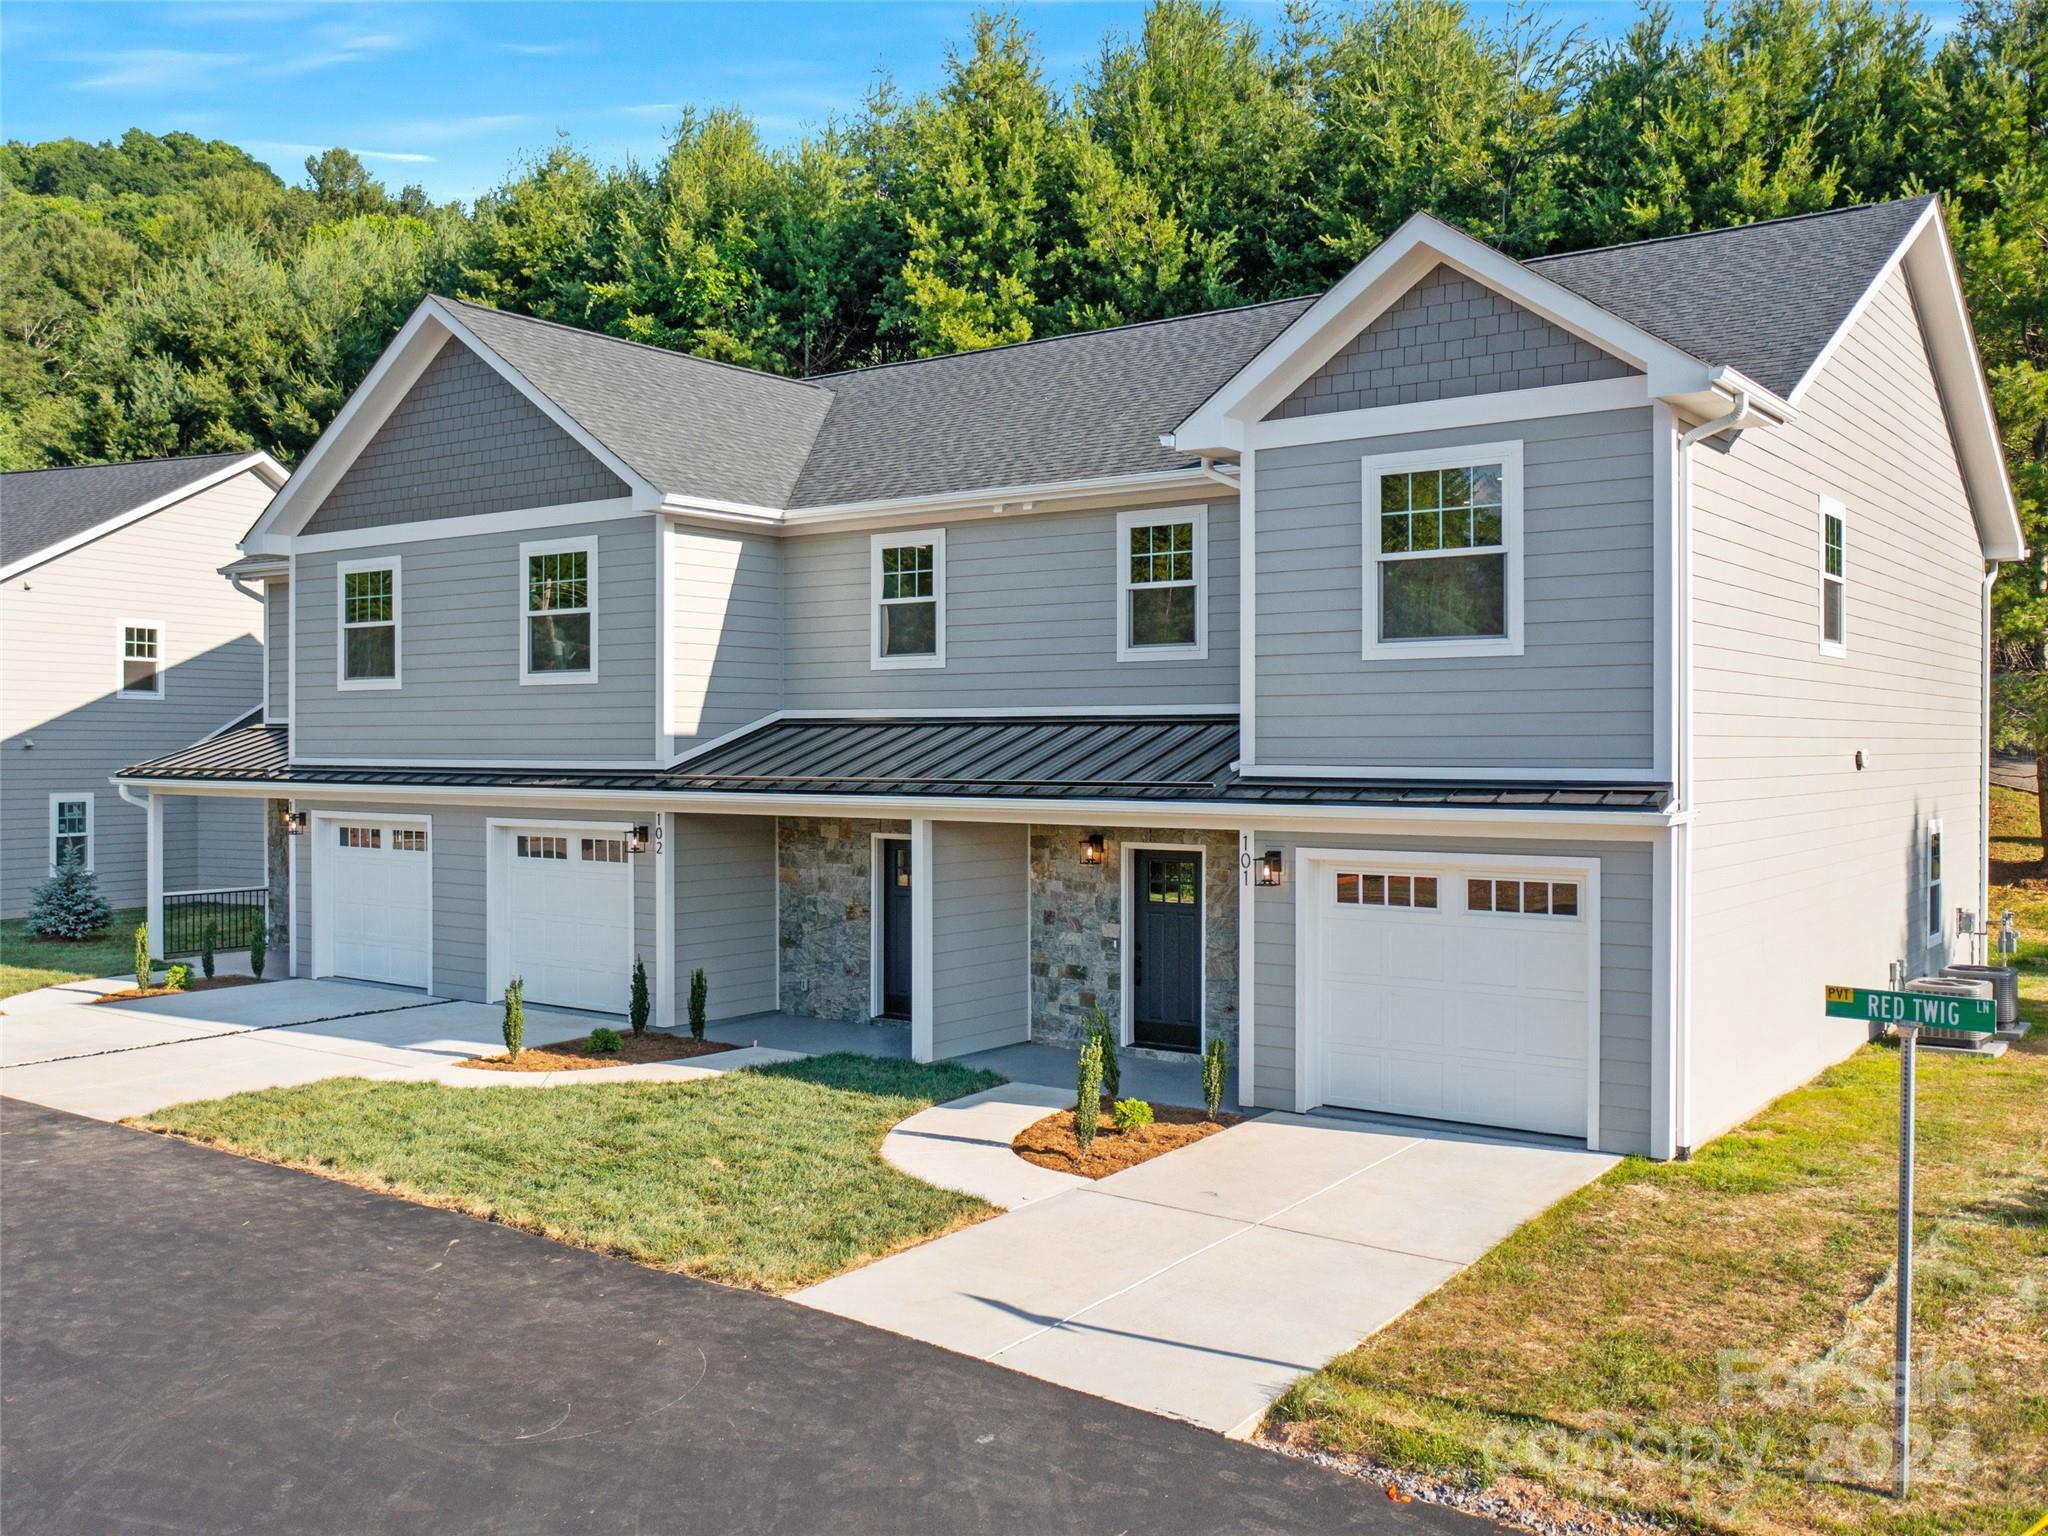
point(1269, 867)
point(1092, 848)
point(295, 823)
point(637, 843)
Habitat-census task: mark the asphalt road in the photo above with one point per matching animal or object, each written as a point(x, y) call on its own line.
point(190, 1342)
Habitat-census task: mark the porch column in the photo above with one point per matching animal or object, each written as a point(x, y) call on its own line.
point(664, 920)
point(155, 867)
point(277, 897)
point(921, 895)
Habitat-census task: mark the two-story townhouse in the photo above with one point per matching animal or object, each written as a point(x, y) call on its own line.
point(1489, 690)
point(118, 639)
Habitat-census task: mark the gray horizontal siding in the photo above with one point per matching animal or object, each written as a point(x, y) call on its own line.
point(462, 440)
point(460, 632)
point(725, 912)
point(980, 883)
point(725, 631)
point(1582, 691)
point(1031, 622)
point(277, 650)
point(1625, 927)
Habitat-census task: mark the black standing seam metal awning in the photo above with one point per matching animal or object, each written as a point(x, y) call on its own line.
point(1178, 758)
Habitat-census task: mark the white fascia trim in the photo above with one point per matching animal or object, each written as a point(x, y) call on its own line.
point(1002, 500)
point(1127, 813)
point(1374, 285)
point(525, 520)
point(1452, 414)
point(261, 463)
point(1145, 517)
point(1437, 772)
point(1248, 610)
point(1931, 214)
point(523, 765)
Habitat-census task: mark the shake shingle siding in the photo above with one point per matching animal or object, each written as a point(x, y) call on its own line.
point(462, 441)
point(1448, 337)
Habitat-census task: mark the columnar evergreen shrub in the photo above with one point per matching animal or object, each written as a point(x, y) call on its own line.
point(142, 957)
point(637, 1008)
point(515, 1017)
point(1215, 1063)
point(1104, 1033)
point(259, 949)
point(68, 905)
point(1088, 1094)
point(700, 989)
point(208, 937)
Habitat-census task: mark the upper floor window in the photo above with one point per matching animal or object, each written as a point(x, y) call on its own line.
point(1443, 542)
point(1162, 602)
point(1934, 924)
point(908, 588)
point(369, 623)
point(1834, 579)
point(70, 831)
point(142, 674)
point(559, 596)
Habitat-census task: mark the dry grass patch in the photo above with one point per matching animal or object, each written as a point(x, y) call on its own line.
point(576, 1055)
point(1050, 1142)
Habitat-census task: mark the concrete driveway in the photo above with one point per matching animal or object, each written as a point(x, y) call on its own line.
point(61, 1049)
point(1201, 1284)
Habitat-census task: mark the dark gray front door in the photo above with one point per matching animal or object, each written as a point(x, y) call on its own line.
point(895, 919)
point(1166, 1001)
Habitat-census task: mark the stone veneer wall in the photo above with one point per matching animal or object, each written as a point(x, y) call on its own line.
point(824, 893)
point(1078, 934)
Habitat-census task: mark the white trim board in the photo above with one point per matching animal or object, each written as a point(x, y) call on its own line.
point(1454, 413)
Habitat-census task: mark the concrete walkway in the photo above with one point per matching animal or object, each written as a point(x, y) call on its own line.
point(1201, 1284)
point(964, 1144)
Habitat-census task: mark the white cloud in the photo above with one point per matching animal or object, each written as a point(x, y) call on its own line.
point(533, 50)
point(651, 111)
point(394, 156)
point(157, 69)
point(456, 130)
point(335, 46)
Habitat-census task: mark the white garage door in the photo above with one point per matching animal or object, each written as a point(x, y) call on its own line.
point(376, 903)
point(568, 919)
point(1454, 994)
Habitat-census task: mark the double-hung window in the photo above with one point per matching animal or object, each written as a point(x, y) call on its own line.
point(558, 613)
point(1935, 930)
point(907, 590)
point(1834, 579)
point(369, 592)
point(1162, 601)
point(142, 675)
point(70, 831)
point(1443, 552)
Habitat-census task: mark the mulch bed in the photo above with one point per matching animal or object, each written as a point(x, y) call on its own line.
point(1050, 1142)
point(197, 984)
point(574, 1055)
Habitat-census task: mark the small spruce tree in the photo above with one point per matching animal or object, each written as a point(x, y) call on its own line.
point(142, 967)
point(1100, 1029)
point(639, 1003)
point(699, 990)
point(1215, 1063)
point(515, 1017)
point(208, 937)
point(259, 949)
point(68, 905)
point(1088, 1094)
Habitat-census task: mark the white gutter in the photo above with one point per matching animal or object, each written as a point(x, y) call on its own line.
point(981, 499)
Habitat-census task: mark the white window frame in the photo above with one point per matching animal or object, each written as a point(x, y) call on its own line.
point(1829, 507)
point(121, 688)
point(588, 549)
point(1934, 886)
point(936, 537)
point(1153, 517)
point(1509, 457)
point(91, 840)
point(342, 570)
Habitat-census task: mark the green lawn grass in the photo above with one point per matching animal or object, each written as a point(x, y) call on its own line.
point(1594, 1340)
point(771, 1178)
point(27, 962)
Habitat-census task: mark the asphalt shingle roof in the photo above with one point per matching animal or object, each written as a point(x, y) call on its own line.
point(42, 507)
point(1763, 298)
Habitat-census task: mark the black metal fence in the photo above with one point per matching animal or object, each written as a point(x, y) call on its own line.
point(237, 914)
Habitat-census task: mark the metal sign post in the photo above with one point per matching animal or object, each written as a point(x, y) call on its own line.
point(1902, 1328)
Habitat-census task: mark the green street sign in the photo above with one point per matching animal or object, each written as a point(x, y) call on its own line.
point(1922, 1010)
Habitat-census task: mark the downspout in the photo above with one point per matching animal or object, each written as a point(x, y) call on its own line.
point(1984, 779)
point(1734, 420)
point(1208, 466)
point(236, 583)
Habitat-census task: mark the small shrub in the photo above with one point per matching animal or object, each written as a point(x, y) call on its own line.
point(68, 905)
point(1215, 1064)
point(515, 1017)
point(142, 966)
point(208, 937)
point(603, 1042)
point(178, 977)
point(1102, 1031)
point(700, 989)
point(637, 1008)
point(259, 948)
point(1088, 1095)
point(1129, 1114)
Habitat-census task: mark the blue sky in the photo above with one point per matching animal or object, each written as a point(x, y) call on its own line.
point(452, 95)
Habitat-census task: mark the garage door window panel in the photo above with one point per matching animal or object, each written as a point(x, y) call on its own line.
point(1443, 544)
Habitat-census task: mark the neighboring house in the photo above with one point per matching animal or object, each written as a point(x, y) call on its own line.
point(1494, 691)
point(120, 640)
